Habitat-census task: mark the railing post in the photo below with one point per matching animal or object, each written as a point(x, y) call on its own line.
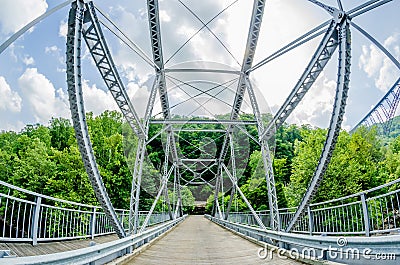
point(122, 219)
point(93, 223)
point(310, 220)
point(365, 214)
point(35, 220)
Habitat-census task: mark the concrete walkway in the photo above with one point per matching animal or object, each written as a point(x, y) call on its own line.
point(199, 241)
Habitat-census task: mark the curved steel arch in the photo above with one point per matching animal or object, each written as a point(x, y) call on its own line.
point(74, 40)
point(335, 123)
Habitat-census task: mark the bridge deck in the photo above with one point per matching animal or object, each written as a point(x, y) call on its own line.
point(199, 241)
point(26, 249)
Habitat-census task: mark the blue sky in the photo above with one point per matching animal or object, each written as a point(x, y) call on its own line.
point(32, 69)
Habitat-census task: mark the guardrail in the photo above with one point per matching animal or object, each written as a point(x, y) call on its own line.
point(98, 254)
point(374, 211)
point(27, 216)
point(348, 250)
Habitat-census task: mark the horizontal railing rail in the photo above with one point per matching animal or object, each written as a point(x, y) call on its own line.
point(372, 212)
point(27, 216)
point(345, 250)
point(98, 254)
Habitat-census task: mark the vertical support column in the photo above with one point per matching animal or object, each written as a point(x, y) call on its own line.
point(272, 198)
point(216, 191)
point(234, 177)
point(135, 190)
point(364, 207)
point(93, 223)
point(228, 207)
point(166, 175)
point(310, 220)
point(122, 218)
point(179, 212)
point(180, 205)
point(267, 161)
point(139, 160)
point(35, 220)
point(175, 199)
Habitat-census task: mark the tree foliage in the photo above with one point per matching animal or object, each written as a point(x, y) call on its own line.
point(46, 159)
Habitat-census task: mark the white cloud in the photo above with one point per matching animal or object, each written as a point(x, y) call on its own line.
point(97, 100)
point(139, 95)
point(378, 66)
point(164, 16)
point(131, 66)
point(17, 13)
point(316, 107)
point(51, 49)
point(28, 60)
point(15, 126)
point(9, 100)
point(57, 53)
point(63, 29)
point(41, 97)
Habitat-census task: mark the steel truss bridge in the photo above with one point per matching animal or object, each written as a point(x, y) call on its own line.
point(362, 219)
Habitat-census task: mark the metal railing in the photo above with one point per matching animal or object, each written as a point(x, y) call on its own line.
point(374, 211)
point(98, 254)
point(27, 216)
point(345, 250)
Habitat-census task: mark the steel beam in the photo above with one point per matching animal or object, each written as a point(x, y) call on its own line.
point(317, 64)
point(368, 6)
point(253, 212)
point(200, 121)
point(166, 174)
point(155, 35)
point(267, 162)
point(74, 82)
point(331, 10)
point(234, 176)
point(160, 192)
point(251, 45)
point(387, 106)
point(138, 168)
point(216, 191)
point(28, 26)
point(98, 48)
point(201, 70)
point(292, 45)
point(135, 188)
